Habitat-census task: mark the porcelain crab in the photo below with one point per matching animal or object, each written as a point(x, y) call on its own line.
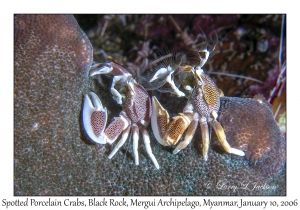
point(202, 107)
point(135, 116)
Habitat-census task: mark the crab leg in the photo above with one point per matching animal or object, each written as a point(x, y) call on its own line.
point(116, 95)
point(94, 118)
point(166, 73)
point(173, 86)
point(100, 68)
point(148, 147)
point(135, 138)
point(188, 136)
point(205, 137)
point(222, 137)
point(121, 75)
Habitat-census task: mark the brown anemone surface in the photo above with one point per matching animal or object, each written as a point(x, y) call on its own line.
point(53, 156)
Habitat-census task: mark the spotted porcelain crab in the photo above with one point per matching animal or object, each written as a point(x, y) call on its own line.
point(202, 107)
point(135, 116)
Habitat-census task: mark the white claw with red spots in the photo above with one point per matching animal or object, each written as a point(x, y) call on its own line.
point(94, 118)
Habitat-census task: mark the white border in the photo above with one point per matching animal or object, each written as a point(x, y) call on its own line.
point(154, 6)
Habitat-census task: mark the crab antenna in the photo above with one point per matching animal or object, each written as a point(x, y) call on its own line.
point(175, 23)
point(281, 41)
point(236, 75)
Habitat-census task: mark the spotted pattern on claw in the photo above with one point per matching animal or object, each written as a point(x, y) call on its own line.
point(115, 128)
point(177, 128)
point(211, 95)
point(136, 107)
point(97, 121)
point(206, 98)
point(162, 121)
point(211, 92)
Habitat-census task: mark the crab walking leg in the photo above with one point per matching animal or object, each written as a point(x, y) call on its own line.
point(106, 69)
point(135, 144)
point(205, 137)
point(188, 136)
point(222, 138)
point(116, 95)
point(121, 142)
point(167, 73)
point(173, 86)
point(148, 147)
point(100, 68)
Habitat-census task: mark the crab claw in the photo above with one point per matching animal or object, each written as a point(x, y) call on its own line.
point(168, 133)
point(94, 118)
point(162, 73)
point(100, 68)
point(159, 121)
point(165, 74)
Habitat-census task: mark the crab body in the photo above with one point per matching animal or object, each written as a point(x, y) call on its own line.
point(135, 116)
